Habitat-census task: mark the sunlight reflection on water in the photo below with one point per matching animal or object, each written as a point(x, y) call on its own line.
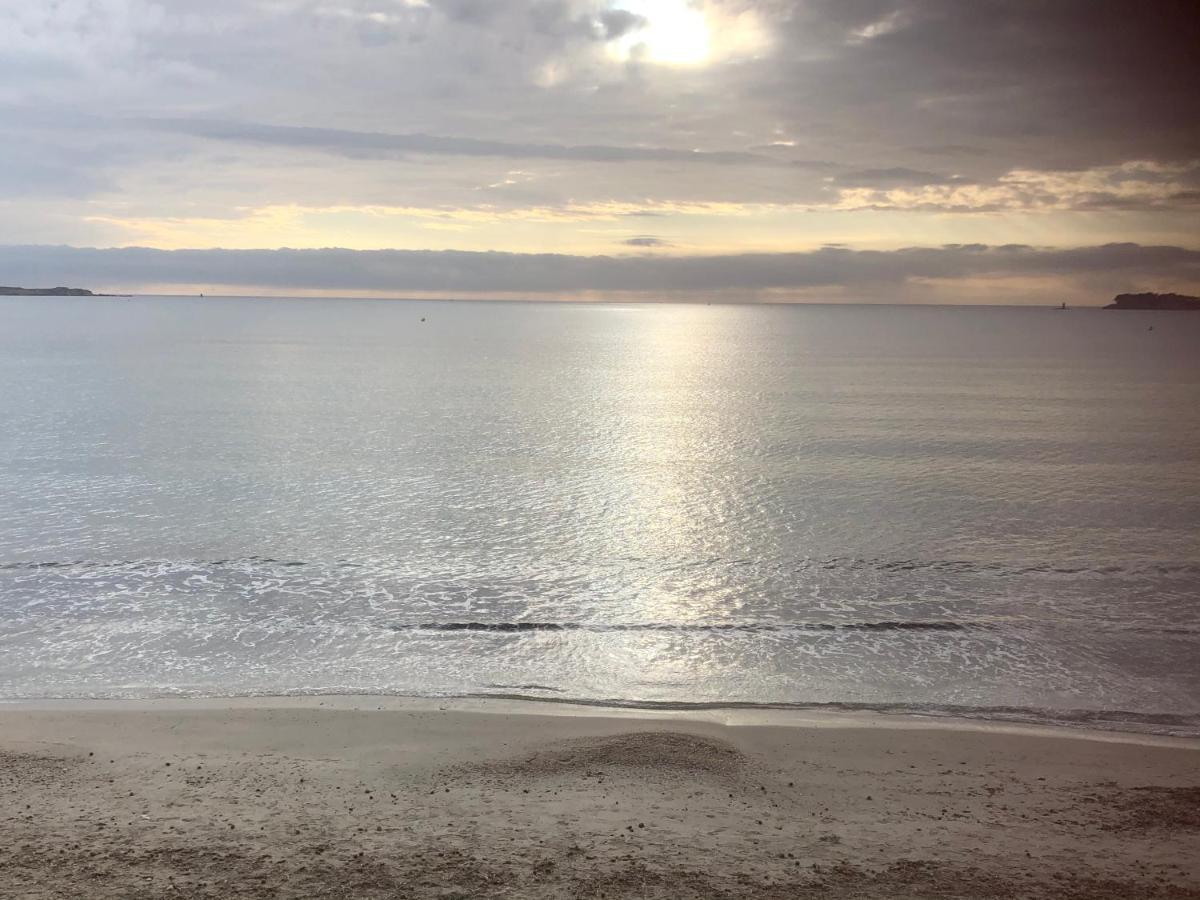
point(973, 507)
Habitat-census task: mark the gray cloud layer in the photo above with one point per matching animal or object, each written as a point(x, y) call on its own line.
point(454, 271)
point(1060, 84)
point(366, 143)
point(899, 92)
point(125, 119)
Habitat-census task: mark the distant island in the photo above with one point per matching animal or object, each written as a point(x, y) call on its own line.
point(1154, 301)
point(46, 292)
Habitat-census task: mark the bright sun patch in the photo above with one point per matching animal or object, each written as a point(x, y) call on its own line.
point(676, 33)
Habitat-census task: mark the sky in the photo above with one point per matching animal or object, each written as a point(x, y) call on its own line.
point(930, 151)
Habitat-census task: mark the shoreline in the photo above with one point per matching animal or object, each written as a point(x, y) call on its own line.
point(385, 797)
point(825, 716)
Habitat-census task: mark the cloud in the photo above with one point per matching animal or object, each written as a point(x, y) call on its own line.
point(169, 110)
point(646, 240)
point(1139, 185)
point(1038, 85)
point(38, 170)
point(457, 272)
point(617, 23)
point(476, 12)
point(359, 143)
point(896, 175)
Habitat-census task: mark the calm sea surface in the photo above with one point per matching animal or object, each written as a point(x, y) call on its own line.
point(990, 511)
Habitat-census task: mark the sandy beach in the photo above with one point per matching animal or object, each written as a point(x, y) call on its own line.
point(366, 797)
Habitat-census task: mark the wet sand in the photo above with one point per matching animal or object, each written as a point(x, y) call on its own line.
point(373, 798)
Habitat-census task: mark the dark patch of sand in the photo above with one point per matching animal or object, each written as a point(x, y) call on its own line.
point(1149, 808)
point(24, 770)
point(660, 752)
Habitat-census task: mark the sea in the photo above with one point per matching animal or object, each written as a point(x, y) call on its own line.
point(986, 512)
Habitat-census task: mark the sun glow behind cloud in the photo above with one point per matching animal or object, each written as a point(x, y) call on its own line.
point(676, 33)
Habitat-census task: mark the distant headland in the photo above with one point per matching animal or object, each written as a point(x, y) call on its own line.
point(1154, 301)
point(46, 292)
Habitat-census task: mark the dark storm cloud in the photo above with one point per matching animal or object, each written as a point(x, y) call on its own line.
point(456, 271)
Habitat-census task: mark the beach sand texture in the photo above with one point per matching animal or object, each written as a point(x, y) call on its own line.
point(322, 799)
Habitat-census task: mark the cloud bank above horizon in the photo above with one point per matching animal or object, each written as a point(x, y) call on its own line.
point(777, 148)
point(952, 273)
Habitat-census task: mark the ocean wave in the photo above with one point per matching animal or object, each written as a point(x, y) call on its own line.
point(1123, 721)
point(833, 563)
point(1119, 720)
point(751, 627)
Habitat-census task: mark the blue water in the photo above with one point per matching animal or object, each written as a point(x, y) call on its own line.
point(984, 511)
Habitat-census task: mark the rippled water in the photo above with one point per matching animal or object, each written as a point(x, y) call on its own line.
point(992, 511)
